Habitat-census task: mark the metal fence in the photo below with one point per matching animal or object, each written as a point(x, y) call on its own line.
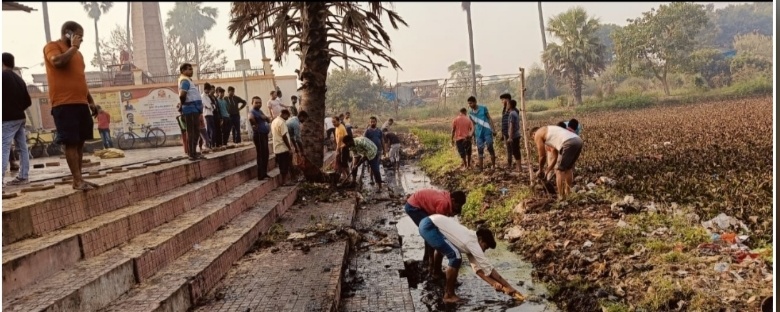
point(441, 91)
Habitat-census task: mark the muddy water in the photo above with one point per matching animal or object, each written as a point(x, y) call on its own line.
point(480, 296)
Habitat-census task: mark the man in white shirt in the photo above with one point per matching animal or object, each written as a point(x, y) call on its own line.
point(450, 238)
point(275, 105)
point(282, 146)
point(208, 109)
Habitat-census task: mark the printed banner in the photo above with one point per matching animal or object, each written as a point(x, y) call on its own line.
point(155, 107)
point(109, 102)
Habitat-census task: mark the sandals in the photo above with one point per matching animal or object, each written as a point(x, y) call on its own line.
point(84, 187)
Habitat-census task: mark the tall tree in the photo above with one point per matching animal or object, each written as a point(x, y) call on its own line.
point(579, 54)
point(95, 10)
point(661, 41)
point(315, 30)
point(740, 19)
point(604, 33)
point(127, 29)
point(544, 46)
point(213, 60)
point(466, 6)
point(189, 22)
point(461, 78)
point(350, 90)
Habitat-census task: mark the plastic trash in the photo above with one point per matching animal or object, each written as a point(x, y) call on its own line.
point(721, 267)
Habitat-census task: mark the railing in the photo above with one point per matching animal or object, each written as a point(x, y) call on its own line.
point(116, 76)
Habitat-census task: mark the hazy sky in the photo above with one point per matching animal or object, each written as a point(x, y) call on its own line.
point(506, 35)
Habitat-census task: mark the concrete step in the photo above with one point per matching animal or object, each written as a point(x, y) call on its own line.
point(302, 275)
point(36, 214)
point(190, 277)
point(29, 260)
point(95, 282)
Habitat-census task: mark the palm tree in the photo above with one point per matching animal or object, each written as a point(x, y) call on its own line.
point(580, 53)
point(189, 22)
point(95, 10)
point(544, 46)
point(315, 31)
point(466, 6)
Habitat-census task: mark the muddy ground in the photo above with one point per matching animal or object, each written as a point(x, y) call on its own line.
point(390, 251)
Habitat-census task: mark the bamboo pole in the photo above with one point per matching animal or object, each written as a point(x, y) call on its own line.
point(525, 127)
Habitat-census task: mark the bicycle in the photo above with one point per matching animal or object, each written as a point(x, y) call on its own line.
point(153, 135)
point(37, 145)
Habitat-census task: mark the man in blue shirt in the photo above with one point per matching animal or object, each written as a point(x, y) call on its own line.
point(483, 131)
point(375, 135)
point(191, 106)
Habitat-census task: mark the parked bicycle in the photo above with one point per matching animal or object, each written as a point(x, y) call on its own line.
point(153, 135)
point(37, 145)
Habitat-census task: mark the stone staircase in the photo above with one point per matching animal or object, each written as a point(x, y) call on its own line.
point(176, 228)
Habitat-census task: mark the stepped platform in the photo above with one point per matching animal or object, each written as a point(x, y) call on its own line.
point(67, 250)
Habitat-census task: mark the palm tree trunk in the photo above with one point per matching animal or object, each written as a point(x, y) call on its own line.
point(197, 57)
point(471, 50)
point(46, 27)
point(577, 90)
point(544, 46)
point(316, 60)
point(127, 27)
point(97, 48)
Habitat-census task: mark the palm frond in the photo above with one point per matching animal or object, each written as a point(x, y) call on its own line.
point(358, 25)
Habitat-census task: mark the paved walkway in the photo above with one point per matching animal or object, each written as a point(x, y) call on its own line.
point(294, 274)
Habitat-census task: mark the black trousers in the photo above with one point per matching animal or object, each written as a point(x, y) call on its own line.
point(235, 121)
point(226, 126)
point(193, 132)
point(261, 147)
point(216, 133)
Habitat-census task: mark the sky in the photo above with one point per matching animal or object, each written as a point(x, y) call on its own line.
point(506, 34)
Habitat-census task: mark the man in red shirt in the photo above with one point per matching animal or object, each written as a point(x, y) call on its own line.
point(104, 120)
point(462, 131)
point(427, 202)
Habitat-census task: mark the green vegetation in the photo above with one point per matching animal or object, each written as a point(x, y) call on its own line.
point(443, 162)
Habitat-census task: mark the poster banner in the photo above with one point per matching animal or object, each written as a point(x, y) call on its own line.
point(153, 106)
point(109, 102)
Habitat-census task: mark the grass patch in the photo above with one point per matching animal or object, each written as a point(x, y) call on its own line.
point(676, 257)
point(474, 201)
point(608, 306)
point(682, 231)
point(664, 294)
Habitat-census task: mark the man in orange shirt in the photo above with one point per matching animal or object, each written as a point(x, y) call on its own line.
point(71, 101)
point(104, 120)
point(462, 131)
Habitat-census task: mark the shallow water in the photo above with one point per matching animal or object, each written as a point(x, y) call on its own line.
point(480, 296)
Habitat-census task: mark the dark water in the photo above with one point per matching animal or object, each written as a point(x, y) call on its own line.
point(480, 296)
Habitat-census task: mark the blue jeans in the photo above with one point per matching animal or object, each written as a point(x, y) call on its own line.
point(105, 134)
point(433, 237)
point(415, 213)
point(485, 138)
point(14, 130)
point(374, 163)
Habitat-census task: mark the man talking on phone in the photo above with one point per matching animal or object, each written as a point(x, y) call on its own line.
point(72, 104)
